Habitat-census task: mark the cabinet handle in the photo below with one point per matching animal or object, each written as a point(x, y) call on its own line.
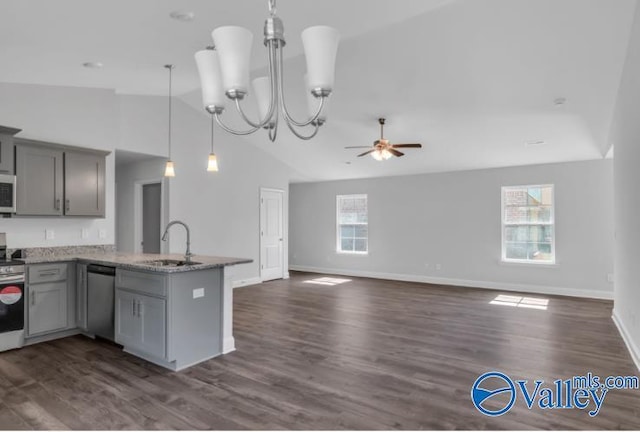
point(57, 205)
point(33, 298)
point(67, 205)
point(140, 309)
point(133, 304)
point(48, 273)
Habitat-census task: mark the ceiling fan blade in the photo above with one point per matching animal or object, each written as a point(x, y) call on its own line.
point(395, 152)
point(352, 147)
point(366, 153)
point(407, 146)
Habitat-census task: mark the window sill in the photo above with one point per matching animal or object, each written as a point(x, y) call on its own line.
point(529, 264)
point(352, 253)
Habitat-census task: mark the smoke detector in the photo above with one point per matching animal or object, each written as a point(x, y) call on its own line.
point(93, 65)
point(184, 16)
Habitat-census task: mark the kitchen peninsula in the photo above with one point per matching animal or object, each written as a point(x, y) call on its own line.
point(169, 312)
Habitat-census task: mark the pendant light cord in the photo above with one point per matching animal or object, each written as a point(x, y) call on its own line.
point(170, 67)
point(212, 120)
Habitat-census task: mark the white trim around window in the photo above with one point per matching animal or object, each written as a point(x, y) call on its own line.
point(358, 241)
point(530, 246)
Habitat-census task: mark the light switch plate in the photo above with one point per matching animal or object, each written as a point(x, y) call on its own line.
point(102, 233)
point(84, 233)
point(49, 234)
point(198, 292)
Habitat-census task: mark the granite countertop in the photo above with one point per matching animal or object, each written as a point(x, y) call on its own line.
point(133, 261)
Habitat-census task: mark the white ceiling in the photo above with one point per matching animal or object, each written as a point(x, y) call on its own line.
point(473, 80)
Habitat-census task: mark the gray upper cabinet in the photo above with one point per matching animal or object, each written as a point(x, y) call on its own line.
point(84, 185)
point(6, 149)
point(55, 180)
point(39, 183)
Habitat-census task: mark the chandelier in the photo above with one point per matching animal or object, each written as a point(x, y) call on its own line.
point(224, 76)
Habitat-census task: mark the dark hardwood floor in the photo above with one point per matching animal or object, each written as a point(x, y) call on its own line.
point(366, 354)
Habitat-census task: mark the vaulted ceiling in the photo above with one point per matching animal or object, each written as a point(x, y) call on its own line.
point(473, 80)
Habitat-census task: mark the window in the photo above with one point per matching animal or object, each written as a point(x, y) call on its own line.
point(352, 225)
point(528, 224)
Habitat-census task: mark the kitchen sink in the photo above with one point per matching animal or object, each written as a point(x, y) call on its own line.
point(168, 263)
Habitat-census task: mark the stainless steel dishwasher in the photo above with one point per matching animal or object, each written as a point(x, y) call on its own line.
point(100, 300)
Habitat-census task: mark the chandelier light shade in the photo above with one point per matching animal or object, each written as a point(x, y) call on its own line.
point(230, 80)
point(210, 78)
point(234, 45)
point(262, 93)
point(320, 49)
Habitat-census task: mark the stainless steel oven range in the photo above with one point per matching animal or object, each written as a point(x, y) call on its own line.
point(11, 300)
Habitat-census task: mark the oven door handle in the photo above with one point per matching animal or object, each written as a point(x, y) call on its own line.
point(11, 279)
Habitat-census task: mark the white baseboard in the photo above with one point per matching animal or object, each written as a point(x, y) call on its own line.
point(631, 346)
point(228, 345)
point(245, 282)
point(501, 286)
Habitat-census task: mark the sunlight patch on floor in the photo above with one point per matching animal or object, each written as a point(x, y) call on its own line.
point(518, 301)
point(330, 281)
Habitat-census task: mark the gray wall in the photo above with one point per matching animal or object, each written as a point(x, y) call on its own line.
point(453, 219)
point(626, 139)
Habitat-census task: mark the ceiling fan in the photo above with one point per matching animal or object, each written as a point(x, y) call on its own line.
point(382, 148)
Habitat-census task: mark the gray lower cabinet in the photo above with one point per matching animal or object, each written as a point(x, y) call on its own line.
point(84, 187)
point(141, 323)
point(47, 307)
point(81, 296)
point(39, 184)
point(171, 319)
point(6, 149)
point(51, 298)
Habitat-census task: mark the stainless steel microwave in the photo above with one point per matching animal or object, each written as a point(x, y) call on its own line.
point(7, 193)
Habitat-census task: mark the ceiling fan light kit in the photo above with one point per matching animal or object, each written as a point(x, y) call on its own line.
point(224, 76)
point(382, 148)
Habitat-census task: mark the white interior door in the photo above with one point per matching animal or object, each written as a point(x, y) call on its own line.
point(271, 235)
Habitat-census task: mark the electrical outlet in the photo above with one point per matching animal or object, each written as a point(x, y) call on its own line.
point(438, 266)
point(610, 277)
point(84, 233)
point(102, 233)
point(49, 234)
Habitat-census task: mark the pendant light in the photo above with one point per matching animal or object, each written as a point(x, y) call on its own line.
point(169, 170)
point(212, 166)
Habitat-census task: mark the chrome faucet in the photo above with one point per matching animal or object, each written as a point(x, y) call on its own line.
point(188, 254)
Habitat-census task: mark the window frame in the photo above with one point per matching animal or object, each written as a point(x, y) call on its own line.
point(338, 224)
point(504, 225)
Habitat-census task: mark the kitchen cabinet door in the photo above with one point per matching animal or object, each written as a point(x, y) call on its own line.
point(84, 184)
point(39, 184)
point(127, 324)
point(47, 308)
point(153, 317)
point(6, 149)
point(81, 296)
